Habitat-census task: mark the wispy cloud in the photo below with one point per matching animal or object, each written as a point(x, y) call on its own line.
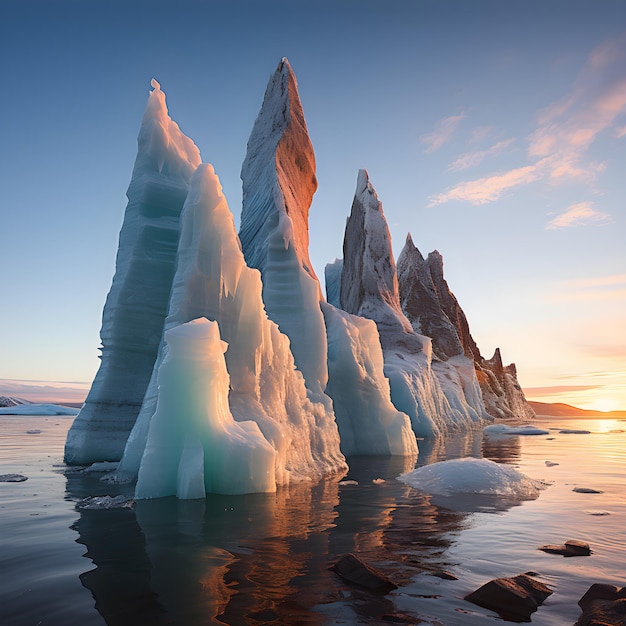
point(489, 188)
point(444, 130)
point(472, 159)
point(601, 289)
point(580, 214)
point(557, 149)
point(558, 389)
point(613, 280)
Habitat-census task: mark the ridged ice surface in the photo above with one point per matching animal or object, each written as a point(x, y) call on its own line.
point(136, 305)
point(367, 420)
point(436, 396)
point(278, 177)
point(213, 281)
point(194, 445)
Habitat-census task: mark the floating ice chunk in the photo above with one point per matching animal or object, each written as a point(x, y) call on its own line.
point(503, 429)
point(104, 466)
point(105, 502)
point(574, 431)
point(12, 478)
point(472, 476)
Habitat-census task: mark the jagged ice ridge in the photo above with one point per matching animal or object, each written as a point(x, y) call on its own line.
point(223, 369)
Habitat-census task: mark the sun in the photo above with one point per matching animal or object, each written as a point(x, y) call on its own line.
point(604, 405)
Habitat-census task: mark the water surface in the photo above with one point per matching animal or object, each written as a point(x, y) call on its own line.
point(263, 558)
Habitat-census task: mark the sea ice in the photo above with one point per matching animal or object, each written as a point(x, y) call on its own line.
point(503, 429)
point(38, 409)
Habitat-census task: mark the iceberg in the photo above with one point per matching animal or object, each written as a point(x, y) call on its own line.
point(223, 368)
point(367, 420)
point(136, 306)
point(437, 396)
point(213, 281)
point(279, 181)
point(433, 310)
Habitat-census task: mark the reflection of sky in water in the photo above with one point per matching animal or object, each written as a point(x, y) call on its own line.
point(263, 558)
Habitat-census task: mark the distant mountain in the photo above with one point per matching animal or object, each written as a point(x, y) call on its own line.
point(6, 401)
point(559, 409)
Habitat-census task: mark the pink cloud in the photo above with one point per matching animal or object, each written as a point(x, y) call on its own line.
point(471, 159)
point(489, 188)
point(565, 131)
point(580, 214)
point(444, 130)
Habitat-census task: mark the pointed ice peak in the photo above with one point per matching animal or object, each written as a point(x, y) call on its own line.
point(366, 193)
point(410, 250)
point(206, 184)
point(435, 263)
point(163, 147)
point(278, 175)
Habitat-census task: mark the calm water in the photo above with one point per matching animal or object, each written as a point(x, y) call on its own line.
point(263, 559)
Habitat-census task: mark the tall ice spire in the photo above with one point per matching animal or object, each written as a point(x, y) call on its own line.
point(132, 320)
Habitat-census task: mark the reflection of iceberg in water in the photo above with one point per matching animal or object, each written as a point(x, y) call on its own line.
point(225, 559)
point(264, 558)
point(501, 449)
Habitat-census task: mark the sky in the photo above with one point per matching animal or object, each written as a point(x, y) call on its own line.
point(494, 132)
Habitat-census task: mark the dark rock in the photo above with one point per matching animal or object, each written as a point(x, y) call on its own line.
point(603, 605)
point(399, 618)
point(445, 575)
point(514, 598)
point(569, 548)
point(356, 572)
point(598, 591)
point(586, 490)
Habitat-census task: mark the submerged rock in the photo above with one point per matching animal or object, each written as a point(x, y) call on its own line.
point(514, 599)
point(356, 572)
point(603, 605)
point(572, 547)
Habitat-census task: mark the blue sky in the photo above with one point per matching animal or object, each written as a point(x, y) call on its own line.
point(494, 132)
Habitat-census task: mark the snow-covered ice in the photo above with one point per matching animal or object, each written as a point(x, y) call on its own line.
point(472, 476)
point(503, 429)
point(38, 409)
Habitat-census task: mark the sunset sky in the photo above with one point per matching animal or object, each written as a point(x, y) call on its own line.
point(495, 132)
